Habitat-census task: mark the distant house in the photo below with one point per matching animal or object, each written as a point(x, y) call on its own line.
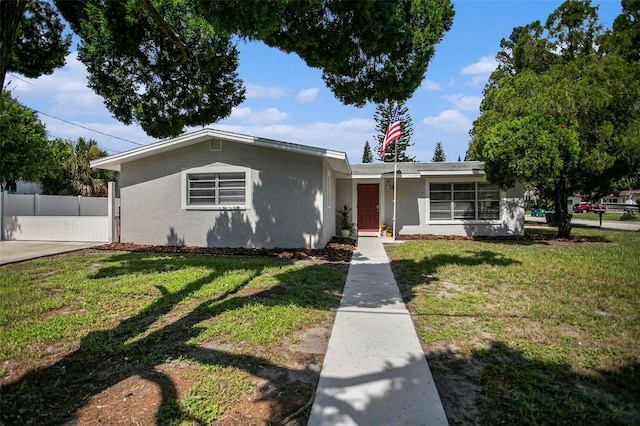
point(624, 197)
point(24, 187)
point(220, 189)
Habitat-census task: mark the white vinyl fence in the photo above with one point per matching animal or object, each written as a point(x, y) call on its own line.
point(60, 218)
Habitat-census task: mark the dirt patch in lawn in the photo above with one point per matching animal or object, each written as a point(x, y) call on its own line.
point(170, 379)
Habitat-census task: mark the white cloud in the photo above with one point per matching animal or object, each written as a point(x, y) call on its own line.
point(357, 124)
point(258, 91)
point(430, 85)
point(346, 136)
point(64, 94)
point(59, 129)
point(238, 113)
point(477, 81)
point(266, 116)
point(308, 95)
point(79, 103)
point(463, 102)
point(450, 120)
point(479, 71)
point(484, 67)
point(66, 91)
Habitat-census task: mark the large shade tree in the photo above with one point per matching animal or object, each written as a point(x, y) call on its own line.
point(32, 39)
point(158, 64)
point(561, 112)
point(368, 51)
point(167, 64)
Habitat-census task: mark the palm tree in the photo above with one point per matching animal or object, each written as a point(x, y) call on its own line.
point(75, 176)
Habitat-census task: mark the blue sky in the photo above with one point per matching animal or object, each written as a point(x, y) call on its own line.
point(288, 101)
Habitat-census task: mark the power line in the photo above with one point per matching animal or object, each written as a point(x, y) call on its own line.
point(21, 79)
point(104, 148)
point(87, 128)
point(75, 124)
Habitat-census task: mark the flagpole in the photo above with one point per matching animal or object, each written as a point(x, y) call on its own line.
point(395, 180)
point(393, 133)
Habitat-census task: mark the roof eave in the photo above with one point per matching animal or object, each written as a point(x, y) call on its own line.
point(337, 159)
point(472, 172)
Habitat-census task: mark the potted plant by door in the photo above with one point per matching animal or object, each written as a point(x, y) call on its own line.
point(344, 221)
point(389, 231)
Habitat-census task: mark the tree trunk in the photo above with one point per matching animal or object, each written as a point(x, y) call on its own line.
point(563, 216)
point(11, 12)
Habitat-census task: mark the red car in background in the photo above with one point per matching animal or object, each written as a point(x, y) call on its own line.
point(587, 207)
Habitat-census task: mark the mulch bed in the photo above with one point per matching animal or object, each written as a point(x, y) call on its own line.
point(338, 249)
point(526, 237)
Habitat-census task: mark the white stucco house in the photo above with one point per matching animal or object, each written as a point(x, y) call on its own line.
point(213, 188)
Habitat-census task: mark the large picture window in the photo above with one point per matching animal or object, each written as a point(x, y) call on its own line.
point(211, 189)
point(464, 201)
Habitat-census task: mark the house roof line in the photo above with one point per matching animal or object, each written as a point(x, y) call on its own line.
point(452, 173)
point(386, 175)
point(416, 170)
point(337, 159)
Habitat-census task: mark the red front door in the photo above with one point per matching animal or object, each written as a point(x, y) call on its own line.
point(368, 207)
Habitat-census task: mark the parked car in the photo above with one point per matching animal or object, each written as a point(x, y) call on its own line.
point(582, 207)
point(587, 207)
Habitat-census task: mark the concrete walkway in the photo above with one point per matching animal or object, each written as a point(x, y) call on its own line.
point(16, 251)
point(374, 372)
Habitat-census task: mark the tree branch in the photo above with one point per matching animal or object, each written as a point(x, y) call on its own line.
point(12, 13)
point(168, 31)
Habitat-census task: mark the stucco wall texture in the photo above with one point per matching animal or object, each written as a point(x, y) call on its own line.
point(287, 207)
point(413, 203)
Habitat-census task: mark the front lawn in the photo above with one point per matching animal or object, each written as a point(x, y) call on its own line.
point(119, 337)
point(537, 331)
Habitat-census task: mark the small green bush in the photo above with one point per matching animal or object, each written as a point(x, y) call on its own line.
point(628, 215)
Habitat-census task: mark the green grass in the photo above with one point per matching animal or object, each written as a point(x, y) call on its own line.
point(101, 308)
point(616, 217)
point(209, 398)
point(607, 216)
point(552, 326)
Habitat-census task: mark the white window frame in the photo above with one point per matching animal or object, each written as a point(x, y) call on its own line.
point(217, 169)
point(476, 200)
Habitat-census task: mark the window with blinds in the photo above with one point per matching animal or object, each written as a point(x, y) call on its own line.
point(464, 201)
point(216, 189)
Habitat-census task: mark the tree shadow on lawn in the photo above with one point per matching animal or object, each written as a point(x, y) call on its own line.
point(410, 274)
point(551, 234)
point(505, 386)
point(401, 382)
point(135, 347)
point(537, 236)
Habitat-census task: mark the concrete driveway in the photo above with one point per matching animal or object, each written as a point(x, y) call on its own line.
point(16, 251)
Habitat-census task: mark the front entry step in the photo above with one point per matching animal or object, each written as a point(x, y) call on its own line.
point(368, 233)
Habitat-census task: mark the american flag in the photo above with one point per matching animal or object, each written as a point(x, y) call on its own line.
point(393, 133)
